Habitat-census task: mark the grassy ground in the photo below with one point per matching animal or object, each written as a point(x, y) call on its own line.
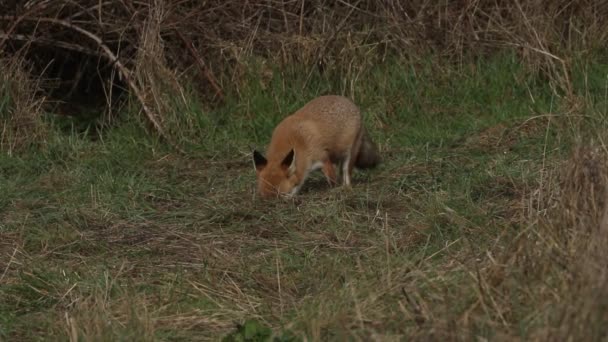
point(120, 238)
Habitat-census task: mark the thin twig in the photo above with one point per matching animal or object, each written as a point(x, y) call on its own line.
point(202, 67)
point(8, 265)
point(17, 20)
point(49, 42)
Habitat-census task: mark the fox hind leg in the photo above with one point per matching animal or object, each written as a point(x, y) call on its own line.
point(348, 164)
point(347, 168)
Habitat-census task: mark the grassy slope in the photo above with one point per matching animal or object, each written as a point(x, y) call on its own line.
point(123, 239)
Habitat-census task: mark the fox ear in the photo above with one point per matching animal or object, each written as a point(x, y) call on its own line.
point(259, 161)
point(289, 162)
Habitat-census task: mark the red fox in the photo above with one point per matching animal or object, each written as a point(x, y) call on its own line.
point(328, 130)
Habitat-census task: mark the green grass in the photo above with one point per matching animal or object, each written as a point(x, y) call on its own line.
point(121, 238)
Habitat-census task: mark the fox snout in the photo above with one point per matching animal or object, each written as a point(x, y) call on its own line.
point(275, 179)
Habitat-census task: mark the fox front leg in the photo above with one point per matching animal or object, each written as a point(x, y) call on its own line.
point(330, 172)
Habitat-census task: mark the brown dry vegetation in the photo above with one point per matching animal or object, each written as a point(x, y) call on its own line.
point(20, 107)
point(215, 40)
point(546, 267)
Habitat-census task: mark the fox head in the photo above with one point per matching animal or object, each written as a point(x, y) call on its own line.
point(276, 178)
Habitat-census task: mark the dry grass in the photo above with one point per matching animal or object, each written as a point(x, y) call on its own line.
point(581, 225)
point(236, 260)
point(20, 107)
point(343, 38)
point(189, 262)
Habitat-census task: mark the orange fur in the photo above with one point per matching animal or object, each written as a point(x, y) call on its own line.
point(327, 131)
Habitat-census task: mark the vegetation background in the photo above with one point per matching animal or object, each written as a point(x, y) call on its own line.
point(127, 208)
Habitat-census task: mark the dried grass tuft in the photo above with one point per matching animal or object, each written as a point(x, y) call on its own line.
point(20, 107)
point(582, 191)
point(582, 218)
point(562, 255)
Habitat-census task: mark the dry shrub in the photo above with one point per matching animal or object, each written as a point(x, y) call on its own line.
point(20, 107)
point(160, 85)
point(546, 35)
point(582, 196)
point(582, 217)
point(557, 265)
point(212, 40)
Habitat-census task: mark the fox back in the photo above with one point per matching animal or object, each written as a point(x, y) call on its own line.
point(326, 131)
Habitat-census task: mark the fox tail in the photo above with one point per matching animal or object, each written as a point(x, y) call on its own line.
point(368, 156)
